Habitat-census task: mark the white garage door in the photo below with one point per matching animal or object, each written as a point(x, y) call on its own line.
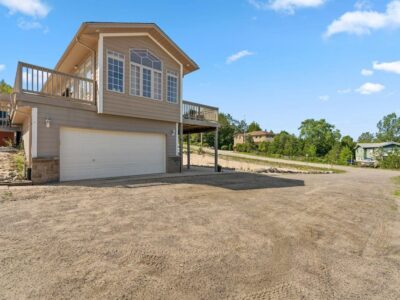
point(86, 154)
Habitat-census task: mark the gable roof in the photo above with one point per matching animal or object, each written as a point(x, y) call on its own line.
point(88, 34)
point(376, 145)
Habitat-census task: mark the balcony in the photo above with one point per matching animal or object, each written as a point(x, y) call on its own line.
point(39, 81)
point(199, 117)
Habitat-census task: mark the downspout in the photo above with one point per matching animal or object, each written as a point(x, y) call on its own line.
point(94, 56)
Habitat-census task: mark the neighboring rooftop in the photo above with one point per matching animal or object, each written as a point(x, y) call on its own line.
point(259, 132)
point(376, 145)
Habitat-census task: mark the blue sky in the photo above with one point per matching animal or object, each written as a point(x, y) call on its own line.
point(274, 61)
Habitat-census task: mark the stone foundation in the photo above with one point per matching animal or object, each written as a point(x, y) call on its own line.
point(45, 170)
point(173, 164)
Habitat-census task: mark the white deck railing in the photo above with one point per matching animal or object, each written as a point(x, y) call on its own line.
point(41, 81)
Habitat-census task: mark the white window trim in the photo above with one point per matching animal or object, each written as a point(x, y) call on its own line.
point(123, 69)
point(141, 67)
point(174, 74)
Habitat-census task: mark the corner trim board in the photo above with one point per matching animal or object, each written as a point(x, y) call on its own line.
point(100, 61)
point(34, 132)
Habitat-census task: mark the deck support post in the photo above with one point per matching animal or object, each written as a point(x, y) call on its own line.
point(188, 151)
point(181, 145)
point(216, 150)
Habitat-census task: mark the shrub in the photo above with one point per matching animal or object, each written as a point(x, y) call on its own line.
point(224, 147)
point(19, 160)
point(391, 161)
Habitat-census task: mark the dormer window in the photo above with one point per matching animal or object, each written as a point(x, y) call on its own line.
point(146, 74)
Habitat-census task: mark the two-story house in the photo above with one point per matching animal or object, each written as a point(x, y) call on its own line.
point(112, 106)
point(7, 134)
point(256, 136)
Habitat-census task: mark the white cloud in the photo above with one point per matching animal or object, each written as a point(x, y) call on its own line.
point(34, 8)
point(237, 56)
point(370, 88)
point(363, 5)
point(364, 21)
point(393, 67)
point(366, 72)
point(324, 98)
point(288, 6)
point(344, 91)
point(29, 25)
point(2, 67)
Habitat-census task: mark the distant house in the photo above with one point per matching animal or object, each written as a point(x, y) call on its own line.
point(257, 137)
point(6, 133)
point(368, 152)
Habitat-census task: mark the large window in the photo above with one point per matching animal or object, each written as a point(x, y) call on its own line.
point(172, 87)
point(115, 69)
point(146, 74)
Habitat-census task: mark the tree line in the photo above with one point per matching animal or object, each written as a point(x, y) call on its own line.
point(317, 141)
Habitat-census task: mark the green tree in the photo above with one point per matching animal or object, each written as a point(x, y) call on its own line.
point(333, 154)
point(389, 129)
point(319, 133)
point(347, 141)
point(253, 126)
point(366, 137)
point(226, 132)
point(5, 88)
point(346, 154)
point(310, 150)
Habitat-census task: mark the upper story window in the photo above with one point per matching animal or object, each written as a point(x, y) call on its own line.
point(146, 74)
point(172, 87)
point(85, 70)
point(115, 71)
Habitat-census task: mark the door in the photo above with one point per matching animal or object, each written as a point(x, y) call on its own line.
point(87, 154)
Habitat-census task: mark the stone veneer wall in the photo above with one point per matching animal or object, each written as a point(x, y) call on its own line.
point(45, 170)
point(173, 164)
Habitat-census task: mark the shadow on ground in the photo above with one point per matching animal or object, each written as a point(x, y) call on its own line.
point(231, 181)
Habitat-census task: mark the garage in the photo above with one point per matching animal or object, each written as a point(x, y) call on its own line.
point(88, 154)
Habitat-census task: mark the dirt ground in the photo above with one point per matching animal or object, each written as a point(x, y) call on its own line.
point(8, 170)
point(232, 163)
point(235, 235)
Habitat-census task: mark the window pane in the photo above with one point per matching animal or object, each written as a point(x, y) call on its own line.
point(146, 83)
point(172, 89)
point(135, 80)
point(115, 73)
point(157, 86)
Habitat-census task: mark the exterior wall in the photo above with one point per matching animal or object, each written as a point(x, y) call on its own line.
point(259, 139)
point(372, 153)
point(45, 168)
point(239, 139)
point(5, 136)
point(124, 104)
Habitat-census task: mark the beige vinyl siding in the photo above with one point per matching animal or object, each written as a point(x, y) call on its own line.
point(124, 104)
point(49, 138)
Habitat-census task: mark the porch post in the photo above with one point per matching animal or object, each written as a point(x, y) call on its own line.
point(188, 151)
point(216, 150)
point(181, 145)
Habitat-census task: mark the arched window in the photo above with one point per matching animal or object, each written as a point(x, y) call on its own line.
point(146, 74)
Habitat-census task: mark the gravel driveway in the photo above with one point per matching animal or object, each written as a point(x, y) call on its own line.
point(237, 236)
